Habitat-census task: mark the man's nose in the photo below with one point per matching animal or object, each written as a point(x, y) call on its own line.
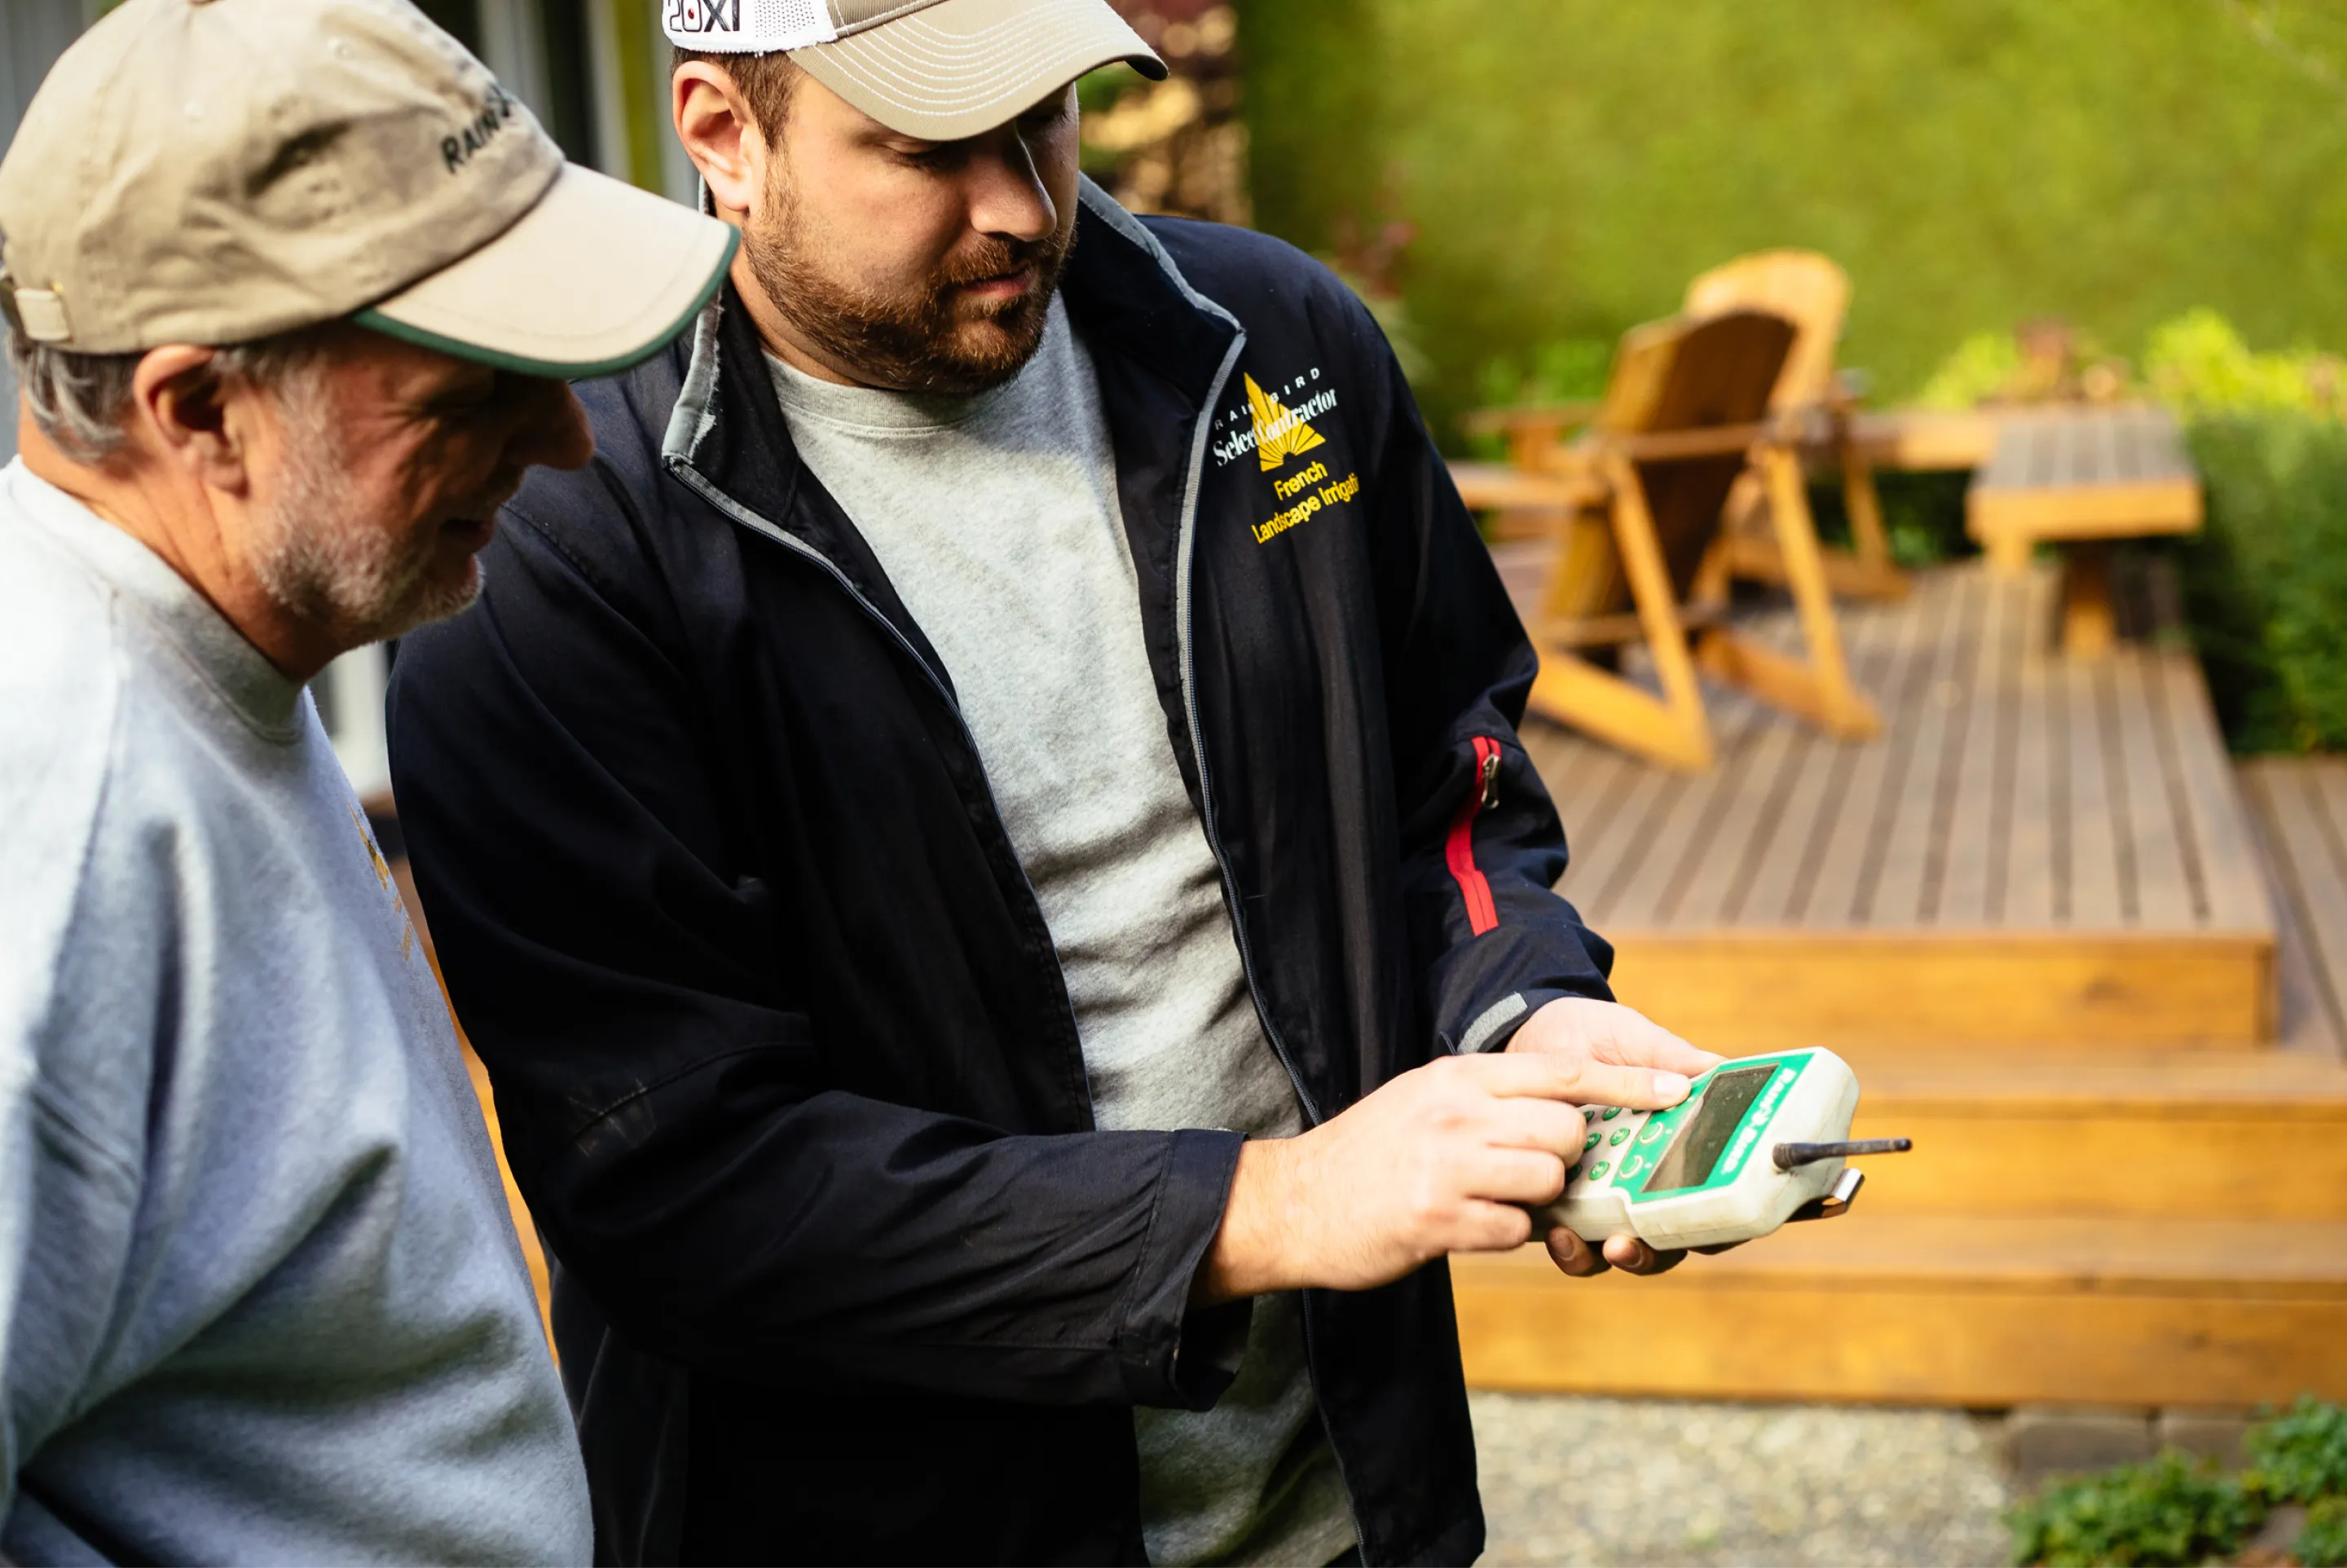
point(1007, 197)
point(552, 431)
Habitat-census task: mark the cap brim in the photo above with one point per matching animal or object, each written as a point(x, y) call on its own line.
point(595, 278)
point(962, 66)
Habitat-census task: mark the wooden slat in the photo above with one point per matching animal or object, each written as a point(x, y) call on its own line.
point(2230, 866)
point(1685, 831)
point(1946, 1309)
point(2164, 899)
point(1589, 784)
point(2312, 819)
point(1923, 440)
point(1831, 893)
point(2095, 900)
point(2309, 1017)
point(1602, 848)
point(2038, 836)
point(1748, 824)
point(1749, 988)
point(1891, 887)
point(1821, 794)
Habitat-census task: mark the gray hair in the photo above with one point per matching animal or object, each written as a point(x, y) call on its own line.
point(80, 400)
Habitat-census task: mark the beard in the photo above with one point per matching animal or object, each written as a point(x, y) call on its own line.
point(322, 557)
point(926, 341)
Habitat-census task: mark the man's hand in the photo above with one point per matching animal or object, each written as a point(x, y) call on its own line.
point(1619, 1051)
point(1440, 1159)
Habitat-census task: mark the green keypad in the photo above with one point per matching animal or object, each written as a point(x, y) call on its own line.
point(1590, 1143)
point(1630, 1167)
point(1619, 1134)
point(1597, 1171)
point(1611, 1112)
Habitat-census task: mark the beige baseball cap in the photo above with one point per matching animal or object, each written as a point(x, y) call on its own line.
point(937, 69)
point(212, 171)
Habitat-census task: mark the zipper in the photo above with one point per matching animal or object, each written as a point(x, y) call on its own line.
point(1183, 609)
point(758, 524)
point(1459, 849)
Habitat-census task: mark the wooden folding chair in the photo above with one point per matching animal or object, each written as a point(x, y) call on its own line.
point(1685, 413)
point(1813, 293)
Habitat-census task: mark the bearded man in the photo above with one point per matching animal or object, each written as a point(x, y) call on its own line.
point(984, 845)
point(291, 286)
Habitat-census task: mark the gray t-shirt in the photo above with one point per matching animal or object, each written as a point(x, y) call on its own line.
point(995, 519)
point(261, 1299)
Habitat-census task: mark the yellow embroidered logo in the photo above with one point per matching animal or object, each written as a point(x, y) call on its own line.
point(1279, 433)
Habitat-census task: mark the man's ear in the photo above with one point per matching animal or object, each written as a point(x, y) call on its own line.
point(184, 408)
point(719, 135)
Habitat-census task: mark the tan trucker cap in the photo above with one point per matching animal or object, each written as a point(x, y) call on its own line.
point(212, 171)
point(937, 69)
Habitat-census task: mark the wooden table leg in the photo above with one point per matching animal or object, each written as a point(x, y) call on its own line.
point(2087, 626)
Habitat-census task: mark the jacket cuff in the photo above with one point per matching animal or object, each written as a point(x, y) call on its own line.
point(1495, 1026)
point(1170, 1353)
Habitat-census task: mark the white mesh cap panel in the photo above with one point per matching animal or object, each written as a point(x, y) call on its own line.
point(746, 26)
point(804, 21)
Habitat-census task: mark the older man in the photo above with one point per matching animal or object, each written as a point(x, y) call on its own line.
point(291, 286)
point(985, 847)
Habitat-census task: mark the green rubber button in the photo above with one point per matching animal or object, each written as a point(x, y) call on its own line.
point(1589, 1142)
point(1619, 1134)
point(1630, 1167)
point(1589, 1113)
point(1597, 1171)
point(1653, 1132)
point(1611, 1112)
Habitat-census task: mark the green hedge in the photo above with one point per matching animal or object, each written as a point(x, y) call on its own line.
point(2266, 582)
point(1570, 164)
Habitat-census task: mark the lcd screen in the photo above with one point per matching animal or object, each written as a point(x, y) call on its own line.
point(1688, 1161)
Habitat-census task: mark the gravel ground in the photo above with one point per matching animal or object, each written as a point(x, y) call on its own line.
point(1620, 1482)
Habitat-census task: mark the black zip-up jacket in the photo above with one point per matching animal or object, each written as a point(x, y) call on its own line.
point(785, 1063)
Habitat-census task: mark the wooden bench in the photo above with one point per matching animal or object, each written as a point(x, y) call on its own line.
point(2081, 478)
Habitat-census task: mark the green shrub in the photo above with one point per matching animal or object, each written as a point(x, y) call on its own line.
point(1983, 367)
point(2199, 365)
point(2265, 582)
point(2165, 1513)
point(2323, 1542)
point(2300, 1456)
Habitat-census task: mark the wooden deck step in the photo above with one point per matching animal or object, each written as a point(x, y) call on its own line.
point(2036, 851)
point(1937, 1309)
point(2142, 1134)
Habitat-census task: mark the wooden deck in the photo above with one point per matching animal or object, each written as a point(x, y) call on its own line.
point(2034, 849)
point(2100, 980)
point(2301, 811)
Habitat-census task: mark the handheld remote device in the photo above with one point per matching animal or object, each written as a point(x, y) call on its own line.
point(1757, 1141)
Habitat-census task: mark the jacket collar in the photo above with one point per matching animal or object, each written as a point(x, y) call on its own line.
point(1123, 292)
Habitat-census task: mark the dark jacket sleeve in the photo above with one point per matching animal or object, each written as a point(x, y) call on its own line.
point(1492, 940)
point(659, 1095)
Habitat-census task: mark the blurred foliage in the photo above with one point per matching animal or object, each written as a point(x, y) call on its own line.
point(2323, 1542)
point(2300, 1455)
point(2173, 1511)
point(2166, 1511)
point(1570, 164)
point(2265, 580)
point(1173, 146)
point(2199, 365)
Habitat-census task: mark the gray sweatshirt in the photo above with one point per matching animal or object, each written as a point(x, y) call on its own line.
point(260, 1297)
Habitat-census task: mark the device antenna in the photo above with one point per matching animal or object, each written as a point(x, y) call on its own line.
point(1790, 1155)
